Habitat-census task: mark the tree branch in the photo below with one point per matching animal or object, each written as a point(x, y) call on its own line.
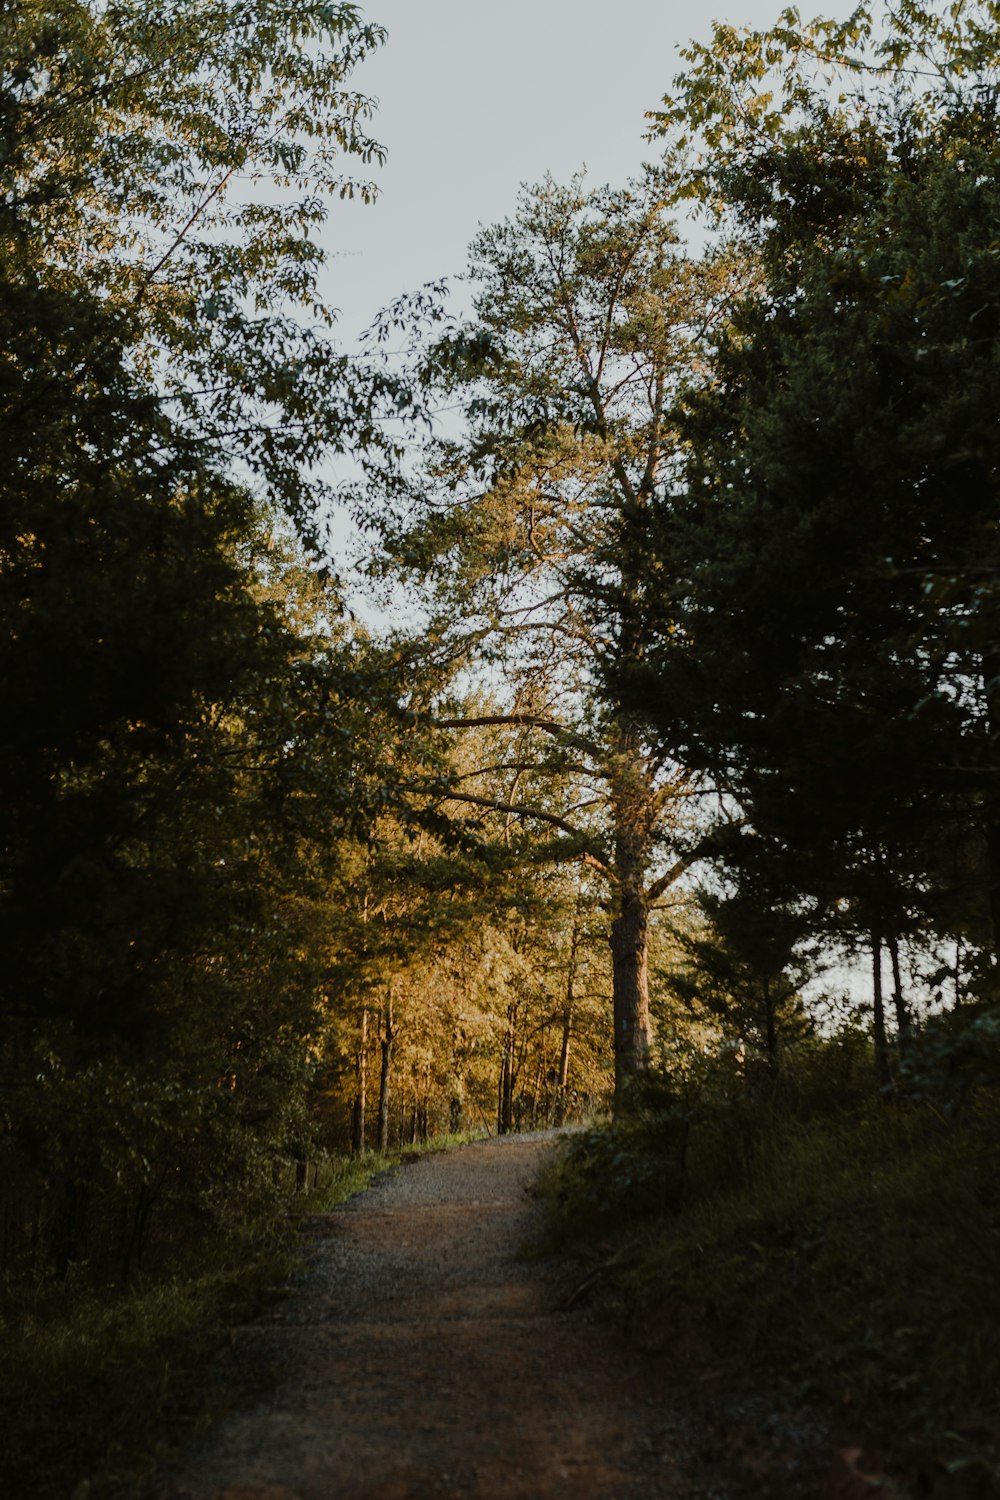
point(494, 805)
point(528, 721)
point(665, 881)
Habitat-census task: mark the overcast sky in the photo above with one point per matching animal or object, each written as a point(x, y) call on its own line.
point(478, 96)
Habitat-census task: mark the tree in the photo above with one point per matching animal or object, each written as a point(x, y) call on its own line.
point(473, 962)
point(826, 566)
point(182, 755)
point(529, 531)
point(742, 967)
point(168, 801)
point(175, 161)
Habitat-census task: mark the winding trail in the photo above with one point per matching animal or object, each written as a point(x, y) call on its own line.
point(419, 1357)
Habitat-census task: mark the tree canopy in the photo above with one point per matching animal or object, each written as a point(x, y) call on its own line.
point(180, 750)
point(529, 530)
point(825, 603)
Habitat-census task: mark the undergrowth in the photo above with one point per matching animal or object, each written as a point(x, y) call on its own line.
point(97, 1388)
point(846, 1241)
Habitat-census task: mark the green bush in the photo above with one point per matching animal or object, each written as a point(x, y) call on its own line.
point(850, 1239)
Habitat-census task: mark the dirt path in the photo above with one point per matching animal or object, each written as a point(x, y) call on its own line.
point(420, 1358)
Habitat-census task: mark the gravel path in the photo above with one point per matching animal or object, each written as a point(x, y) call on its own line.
point(419, 1357)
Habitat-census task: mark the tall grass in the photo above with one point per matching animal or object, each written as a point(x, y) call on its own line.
point(850, 1241)
point(96, 1388)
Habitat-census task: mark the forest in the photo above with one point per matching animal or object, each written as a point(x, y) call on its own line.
point(638, 771)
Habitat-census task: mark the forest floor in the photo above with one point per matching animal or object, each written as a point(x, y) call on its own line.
point(421, 1354)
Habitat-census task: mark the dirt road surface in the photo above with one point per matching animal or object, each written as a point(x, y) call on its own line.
point(420, 1357)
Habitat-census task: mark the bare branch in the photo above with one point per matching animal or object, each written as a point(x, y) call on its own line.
point(518, 766)
point(665, 881)
point(554, 627)
point(528, 721)
point(181, 234)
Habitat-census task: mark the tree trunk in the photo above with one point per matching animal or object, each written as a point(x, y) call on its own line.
point(135, 1250)
point(388, 1041)
point(562, 1078)
point(993, 876)
point(883, 1074)
point(902, 1013)
point(536, 1092)
point(423, 1111)
point(65, 1232)
point(630, 986)
point(132, 1244)
point(770, 1029)
point(505, 1093)
point(635, 811)
point(991, 692)
point(358, 1130)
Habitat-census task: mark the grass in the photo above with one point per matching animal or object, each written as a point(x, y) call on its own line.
point(344, 1177)
point(98, 1388)
point(846, 1245)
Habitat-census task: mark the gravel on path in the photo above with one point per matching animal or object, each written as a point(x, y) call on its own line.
point(420, 1357)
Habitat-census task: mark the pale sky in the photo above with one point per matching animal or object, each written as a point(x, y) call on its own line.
point(478, 96)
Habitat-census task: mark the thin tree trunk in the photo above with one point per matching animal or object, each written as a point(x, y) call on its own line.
point(539, 1085)
point(883, 1074)
point(358, 1131)
point(991, 831)
point(65, 1231)
point(135, 1233)
point(387, 1042)
point(770, 1029)
point(505, 1101)
point(424, 1110)
point(993, 876)
point(361, 1062)
point(564, 1047)
point(562, 1079)
point(902, 1013)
